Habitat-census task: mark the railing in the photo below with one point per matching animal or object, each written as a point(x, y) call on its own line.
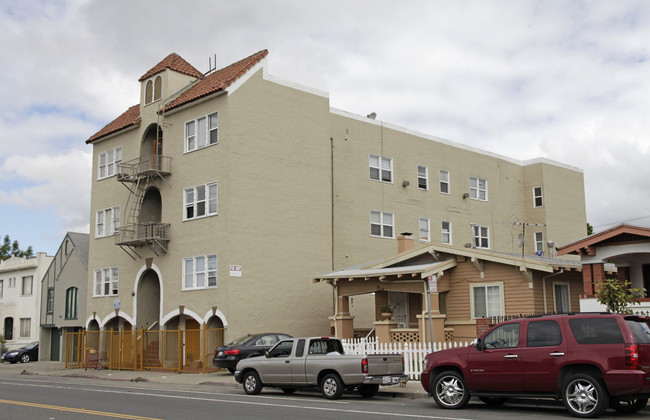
point(142, 233)
point(413, 353)
point(132, 169)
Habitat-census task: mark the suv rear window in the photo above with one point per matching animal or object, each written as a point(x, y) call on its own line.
point(596, 331)
point(640, 329)
point(543, 334)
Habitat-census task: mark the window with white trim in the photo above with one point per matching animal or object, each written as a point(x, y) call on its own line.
point(153, 90)
point(200, 201)
point(202, 132)
point(423, 177)
point(444, 182)
point(108, 161)
point(446, 232)
point(28, 282)
point(561, 297)
point(200, 272)
point(107, 222)
point(50, 300)
point(106, 281)
point(539, 243)
point(478, 189)
point(487, 300)
point(425, 233)
point(381, 168)
point(382, 224)
point(25, 327)
point(71, 303)
point(538, 200)
point(481, 236)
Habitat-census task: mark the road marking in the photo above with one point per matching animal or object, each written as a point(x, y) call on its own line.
point(77, 410)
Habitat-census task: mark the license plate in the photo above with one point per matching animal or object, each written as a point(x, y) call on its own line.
point(385, 380)
point(220, 353)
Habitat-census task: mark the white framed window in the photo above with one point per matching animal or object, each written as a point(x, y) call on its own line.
point(106, 281)
point(108, 162)
point(382, 224)
point(446, 232)
point(71, 303)
point(381, 168)
point(50, 300)
point(538, 200)
point(425, 231)
point(28, 282)
point(153, 90)
point(486, 299)
point(107, 222)
point(539, 243)
point(25, 327)
point(200, 272)
point(444, 182)
point(202, 132)
point(2, 287)
point(481, 236)
point(561, 297)
point(200, 201)
point(423, 177)
point(478, 189)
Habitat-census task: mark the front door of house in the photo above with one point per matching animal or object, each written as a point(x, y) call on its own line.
point(400, 304)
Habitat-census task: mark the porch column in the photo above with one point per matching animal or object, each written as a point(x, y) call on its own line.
point(599, 275)
point(382, 330)
point(437, 319)
point(344, 322)
point(587, 280)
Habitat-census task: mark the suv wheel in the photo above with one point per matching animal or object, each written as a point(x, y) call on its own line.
point(584, 396)
point(449, 390)
point(629, 406)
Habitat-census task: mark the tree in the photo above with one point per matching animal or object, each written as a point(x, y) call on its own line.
point(590, 229)
point(617, 296)
point(12, 249)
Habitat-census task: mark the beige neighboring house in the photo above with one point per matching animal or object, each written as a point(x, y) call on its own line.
point(218, 196)
point(20, 298)
point(63, 295)
point(470, 289)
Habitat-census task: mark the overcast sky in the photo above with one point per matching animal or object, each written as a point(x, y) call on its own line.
point(564, 80)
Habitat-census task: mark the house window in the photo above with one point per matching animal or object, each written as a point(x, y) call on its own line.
point(539, 243)
point(12, 282)
point(200, 272)
point(200, 201)
point(71, 303)
point(50, 300)
point(425, 234)
point(25, 327)
point(481, 236)
point(537, 197)
point(381, 168)
point(201, 132)
point(478, 189)
point(109, 162)
point(487, 300)
point(27, 285)
point(381, 224)
point(2, 288)
point(423, 177)
point(106, 281)
point(153, 90)
point(446, 232)
point(561, 297)
point(107, 222)
point(444, 182)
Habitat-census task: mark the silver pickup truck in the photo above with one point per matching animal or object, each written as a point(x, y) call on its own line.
point(319, 362)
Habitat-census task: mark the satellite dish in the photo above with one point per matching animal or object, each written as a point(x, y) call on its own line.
point(520, 240)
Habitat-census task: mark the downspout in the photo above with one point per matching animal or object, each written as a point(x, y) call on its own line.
point(544, 287)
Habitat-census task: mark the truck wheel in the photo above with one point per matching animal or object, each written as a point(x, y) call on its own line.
point(629, 406)
point(368, 391)
point(449, 390)
point(252, 383)
point(331, 386)
point(584, 396)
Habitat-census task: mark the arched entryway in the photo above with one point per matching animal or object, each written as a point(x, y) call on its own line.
point(152, 146)
point(148, 300)
point(151, 209)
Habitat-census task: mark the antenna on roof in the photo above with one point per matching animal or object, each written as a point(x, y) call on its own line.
point(210, 67)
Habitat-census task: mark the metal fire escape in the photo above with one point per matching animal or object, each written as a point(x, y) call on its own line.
point(136, 175)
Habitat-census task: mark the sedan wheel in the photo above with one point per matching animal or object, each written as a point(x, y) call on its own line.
point(584, 396)
point(24, 358)
point(449, 390)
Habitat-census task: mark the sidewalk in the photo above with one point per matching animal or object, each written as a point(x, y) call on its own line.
point(413, 389)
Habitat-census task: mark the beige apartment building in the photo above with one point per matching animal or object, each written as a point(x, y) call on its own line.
point(219, 197)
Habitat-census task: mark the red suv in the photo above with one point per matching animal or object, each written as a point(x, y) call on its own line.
point(589, 361)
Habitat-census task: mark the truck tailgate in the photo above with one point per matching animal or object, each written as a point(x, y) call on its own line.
point(385, 364)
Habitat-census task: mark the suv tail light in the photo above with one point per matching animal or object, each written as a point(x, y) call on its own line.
point(403, 366)
point(364, 365)
point(631, 356)
point(233, 352)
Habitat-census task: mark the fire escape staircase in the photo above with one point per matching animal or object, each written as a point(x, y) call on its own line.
point(136, 175)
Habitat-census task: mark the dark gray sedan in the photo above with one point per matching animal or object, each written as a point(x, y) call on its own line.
point(250, 345)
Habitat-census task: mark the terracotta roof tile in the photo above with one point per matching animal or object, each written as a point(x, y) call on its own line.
point(173, 62)
point(219, 80)
point(130, 117)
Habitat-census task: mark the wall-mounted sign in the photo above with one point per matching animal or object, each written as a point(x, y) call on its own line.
point(116, 304)
point(235, 271)
point(433, 284)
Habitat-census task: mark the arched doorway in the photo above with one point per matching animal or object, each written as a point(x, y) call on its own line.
point(151, 209)
point(152, 146)
point(148, 300)
point(9, 328)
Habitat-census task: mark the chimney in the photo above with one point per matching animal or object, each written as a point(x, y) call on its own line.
point(405, 242)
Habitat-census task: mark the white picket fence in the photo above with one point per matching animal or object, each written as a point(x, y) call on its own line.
point(413, 353)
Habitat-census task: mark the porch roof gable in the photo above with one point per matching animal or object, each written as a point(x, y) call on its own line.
point(618, 235)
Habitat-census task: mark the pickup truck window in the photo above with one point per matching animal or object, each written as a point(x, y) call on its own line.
point(283, 349)
point(503, 337)
point(543, 334)
point(324, 346)
point(596, 331)
point(300, 350)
